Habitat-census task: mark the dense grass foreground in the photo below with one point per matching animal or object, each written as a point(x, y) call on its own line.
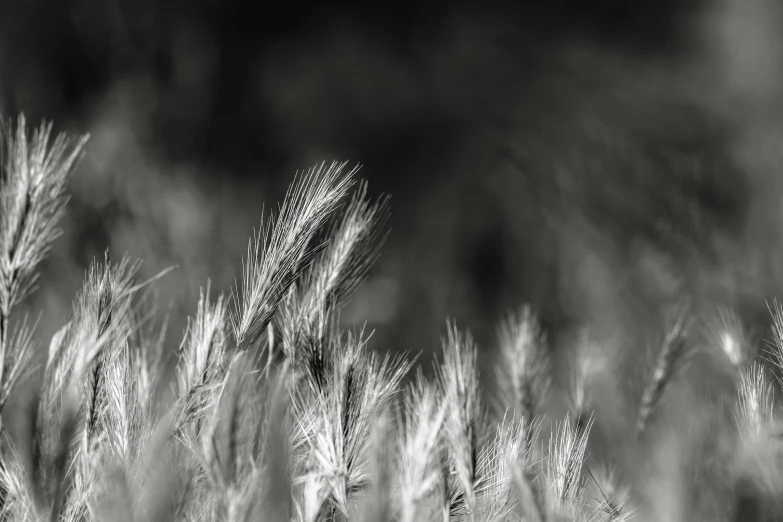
point(275, 413)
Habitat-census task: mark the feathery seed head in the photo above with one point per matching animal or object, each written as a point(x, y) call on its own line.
point(32, 201)
point(523, 370)
point(755, 404)
point(280, 251)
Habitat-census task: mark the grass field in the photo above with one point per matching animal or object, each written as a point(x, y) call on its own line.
point(273, 410)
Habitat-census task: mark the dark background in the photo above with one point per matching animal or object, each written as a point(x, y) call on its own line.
point(598, 160)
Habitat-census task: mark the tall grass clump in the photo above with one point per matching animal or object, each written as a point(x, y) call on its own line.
point(276, 410)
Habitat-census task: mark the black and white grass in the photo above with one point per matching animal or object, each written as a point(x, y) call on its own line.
point(275, 412)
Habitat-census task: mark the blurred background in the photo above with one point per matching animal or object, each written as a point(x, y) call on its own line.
point(595, 159)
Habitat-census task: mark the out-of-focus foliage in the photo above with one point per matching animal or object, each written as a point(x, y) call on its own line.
point(592, 162)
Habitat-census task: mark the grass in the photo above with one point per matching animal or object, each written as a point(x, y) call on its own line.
point(275, 412)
